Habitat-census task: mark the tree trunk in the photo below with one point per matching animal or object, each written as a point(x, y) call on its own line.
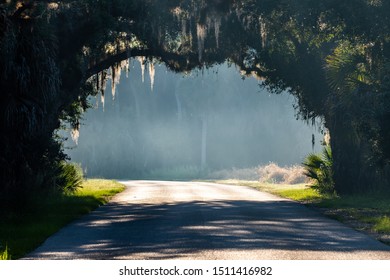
point(351, 171)
point(179, 108)
point(203, 161)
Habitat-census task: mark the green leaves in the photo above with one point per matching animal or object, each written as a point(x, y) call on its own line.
point(4, 255)
point(347, 68)
point(70, 177)
point(318, 167)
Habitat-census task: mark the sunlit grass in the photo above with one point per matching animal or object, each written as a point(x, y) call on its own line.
point(299, 192)
point(382, 225)
point(25, 231)
point(306, 194)
point(99, 189)
point(261, 186)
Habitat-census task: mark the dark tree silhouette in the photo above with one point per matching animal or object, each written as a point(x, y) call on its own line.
point(333, 56)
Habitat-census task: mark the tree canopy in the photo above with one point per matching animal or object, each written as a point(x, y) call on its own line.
point(332, 55)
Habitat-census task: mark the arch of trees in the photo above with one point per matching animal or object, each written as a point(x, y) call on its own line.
point(332, 55)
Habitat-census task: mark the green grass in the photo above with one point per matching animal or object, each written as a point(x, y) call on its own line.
point(298, 192)
point(22, 232)
point(303, 195)
point(382, 224)
point(369, 212)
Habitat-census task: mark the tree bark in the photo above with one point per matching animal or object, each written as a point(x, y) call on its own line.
point(203, 162)
point(350, 172)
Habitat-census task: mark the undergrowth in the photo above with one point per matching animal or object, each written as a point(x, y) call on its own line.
point(4, 255)
point(25, 230)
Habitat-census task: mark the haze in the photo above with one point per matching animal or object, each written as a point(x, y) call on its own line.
point(161, 123)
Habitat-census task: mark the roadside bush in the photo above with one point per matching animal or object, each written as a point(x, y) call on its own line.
point(4, 255)
point(70, 177)
point(273, 173)
point(318, 167)
point(295, 175)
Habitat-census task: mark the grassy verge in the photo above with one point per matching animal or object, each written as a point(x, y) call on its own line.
point(298, 192)
point(23, 232)
point(369, 213)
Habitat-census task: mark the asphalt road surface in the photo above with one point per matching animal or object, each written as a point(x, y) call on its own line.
point(190, 220)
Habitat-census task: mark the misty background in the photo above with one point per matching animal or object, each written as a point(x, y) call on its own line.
point(162, 123)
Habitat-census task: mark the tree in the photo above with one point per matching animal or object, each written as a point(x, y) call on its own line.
point(52, 56)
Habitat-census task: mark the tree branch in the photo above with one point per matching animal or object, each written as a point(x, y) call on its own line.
point(175, 62)
point(108, 62)
point(21, 9)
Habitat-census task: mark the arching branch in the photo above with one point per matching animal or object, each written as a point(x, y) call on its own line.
point(175, 62)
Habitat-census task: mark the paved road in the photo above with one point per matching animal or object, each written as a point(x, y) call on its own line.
point(188, 220)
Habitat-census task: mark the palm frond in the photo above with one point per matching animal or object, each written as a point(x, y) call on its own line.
point(318, 167)
point(346, 68)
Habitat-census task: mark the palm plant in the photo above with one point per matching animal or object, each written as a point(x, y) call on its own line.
point(348, 68)
point(70, 177)
point(355, 72)
point(5, 254)
point(318, 167)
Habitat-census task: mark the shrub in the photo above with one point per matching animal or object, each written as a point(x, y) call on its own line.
point(5, 254)
point(70, 177)
point(318, 167)
point(273, 173)
point(295, 175)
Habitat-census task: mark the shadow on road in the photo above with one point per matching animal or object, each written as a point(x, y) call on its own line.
point(177, 229)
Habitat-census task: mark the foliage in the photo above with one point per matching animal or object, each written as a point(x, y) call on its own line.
point(358, 103)
point(268, 174)
point(272, 173)
point(382, 224)
point(25, 230)
point(318, 167)
point(346, 68)
point(332, 56)
point(4, 255)
point(70, 177)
